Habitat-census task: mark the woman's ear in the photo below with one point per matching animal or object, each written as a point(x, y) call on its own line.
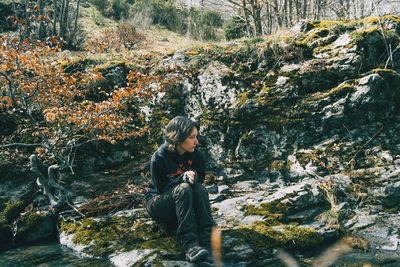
point(171, 147)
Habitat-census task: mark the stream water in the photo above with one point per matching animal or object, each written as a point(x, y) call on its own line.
point(53, 254)
point(47, 254)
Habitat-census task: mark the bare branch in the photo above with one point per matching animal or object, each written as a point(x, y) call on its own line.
point(387, 45)
point(22, 144)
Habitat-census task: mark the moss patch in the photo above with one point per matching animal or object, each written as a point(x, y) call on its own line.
point(30, 221)
point(11, 211)
point(274, 211)
point(168, 243)
point(118, 234)
point(311, 38)
point(27, 224)
point(340, 90)
point(260, 235)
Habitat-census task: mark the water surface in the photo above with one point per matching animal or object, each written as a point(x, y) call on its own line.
point(47, 254)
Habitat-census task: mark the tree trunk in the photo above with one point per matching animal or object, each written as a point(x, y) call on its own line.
point(55, 7)
point(277, 13)
point(76, 17)
point(285, 13)
point(256, 12)
point(317, 8)
point(42, 182)
point(298, 10)
point(362, 9)
point(63, 18)
point(304, 13)
point(42, 29)
point(270, 18)
point(24, 33)
point(246, 18)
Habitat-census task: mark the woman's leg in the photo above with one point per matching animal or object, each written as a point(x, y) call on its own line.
point(176, 206)
point(187, 227)
point(162, 209)
point(204, 219)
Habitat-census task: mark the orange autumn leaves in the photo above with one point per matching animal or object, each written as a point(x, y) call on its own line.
point(32, 81)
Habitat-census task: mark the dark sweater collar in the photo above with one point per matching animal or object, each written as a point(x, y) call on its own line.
point(174, 153)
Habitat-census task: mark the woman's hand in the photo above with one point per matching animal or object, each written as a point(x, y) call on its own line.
point(191, 176)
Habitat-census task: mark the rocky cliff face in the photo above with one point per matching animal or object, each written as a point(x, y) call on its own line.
point(301, 133)
point(261, 103)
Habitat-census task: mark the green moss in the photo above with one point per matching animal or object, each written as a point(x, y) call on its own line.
point(367, 177)
point(325, 23)
point(277, 165)
point(265, 89)
point(30, 221)
point(211, 117)
point(359, 34)
point(329, 217)
point(12, 211)
point(312, 36)
point(260, 235)
point(375, 20)
point(334, 92)
point(169, 244)
point(118, 234)
point(242, 98)
point(361, 184)
point(76, 65)
point(107, 236)
point(146, 230)
point(271, 81)
point(274, 211)
point(385, 71)
point(111, 64)
point(214, 209)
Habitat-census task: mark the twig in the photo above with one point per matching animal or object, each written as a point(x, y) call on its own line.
point(22, 144)
point(358, 151)
point(75, 209)
point(387, 46)
point(391, 58)
point(351, 138)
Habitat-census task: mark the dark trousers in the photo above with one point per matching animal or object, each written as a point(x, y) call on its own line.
point(187, 208)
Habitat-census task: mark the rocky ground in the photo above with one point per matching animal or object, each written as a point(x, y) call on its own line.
point(301, 137)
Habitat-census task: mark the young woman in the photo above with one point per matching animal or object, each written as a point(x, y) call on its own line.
point(176, 197)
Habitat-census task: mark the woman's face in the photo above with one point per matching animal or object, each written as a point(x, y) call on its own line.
point(190, 142)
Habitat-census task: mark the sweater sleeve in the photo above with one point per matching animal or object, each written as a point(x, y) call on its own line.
point(157, 175)
point(199, 165)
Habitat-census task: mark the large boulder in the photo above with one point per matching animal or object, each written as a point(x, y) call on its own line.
point(250, 232)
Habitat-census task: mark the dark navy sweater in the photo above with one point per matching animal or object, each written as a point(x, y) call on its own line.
point(167, 168)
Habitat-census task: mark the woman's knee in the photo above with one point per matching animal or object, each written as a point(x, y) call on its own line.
point(183, 189)
point(199, 189)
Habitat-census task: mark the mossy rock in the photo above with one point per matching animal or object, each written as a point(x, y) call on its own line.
point(7, 124)
point(110, 235)
point(274, 211)
point(76, 64)
point(313, 37)
point(6, 235)
point(338, 91)
point(383, 19)
point(260, 235)
point(11, 211)
point(111, 64)
point(34, 227)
